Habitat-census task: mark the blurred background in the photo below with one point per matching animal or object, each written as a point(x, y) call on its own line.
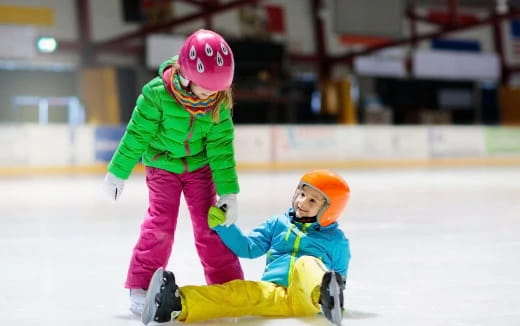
point(415, 102)
point(355, 83)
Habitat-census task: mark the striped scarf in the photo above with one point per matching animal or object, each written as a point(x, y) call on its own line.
point(194, 105)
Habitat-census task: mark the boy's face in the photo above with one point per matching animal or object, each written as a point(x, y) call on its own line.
point(308, 202)
point(200, 92)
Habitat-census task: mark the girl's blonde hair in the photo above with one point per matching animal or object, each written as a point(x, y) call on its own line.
point(223, 97)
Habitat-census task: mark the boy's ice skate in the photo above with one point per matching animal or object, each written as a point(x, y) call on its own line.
point(331, 297)
point(163, 301)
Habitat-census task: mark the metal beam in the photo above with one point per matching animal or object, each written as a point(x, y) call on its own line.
point(194, 2)
point(498, 42)
point(208, 19)
point(453, 10)
point(319, 39)
point(413, 23)
point(85, 38)
point(513, 13)
point(116, 41)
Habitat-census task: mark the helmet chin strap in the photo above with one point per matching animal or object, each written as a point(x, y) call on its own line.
point(311, 219)
point(184, 82)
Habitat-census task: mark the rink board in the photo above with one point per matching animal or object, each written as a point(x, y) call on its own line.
point(34, 147)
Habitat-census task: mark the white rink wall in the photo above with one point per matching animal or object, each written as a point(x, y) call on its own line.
point(60, 148)
point(298, 146)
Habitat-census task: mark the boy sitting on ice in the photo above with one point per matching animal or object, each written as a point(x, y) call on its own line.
point(306, 268)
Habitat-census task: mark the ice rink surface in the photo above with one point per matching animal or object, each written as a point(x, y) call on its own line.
point(429, 247)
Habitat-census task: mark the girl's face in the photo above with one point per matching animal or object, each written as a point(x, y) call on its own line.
point(308, 202)
point(200, 92)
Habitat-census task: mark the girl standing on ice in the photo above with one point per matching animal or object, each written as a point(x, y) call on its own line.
point(182, 129)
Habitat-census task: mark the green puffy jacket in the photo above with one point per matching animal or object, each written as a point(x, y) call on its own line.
point(168, 137)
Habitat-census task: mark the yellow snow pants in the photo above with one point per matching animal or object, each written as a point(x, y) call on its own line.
point(257, 298)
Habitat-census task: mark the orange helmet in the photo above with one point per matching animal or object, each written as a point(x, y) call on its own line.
point(335, 190)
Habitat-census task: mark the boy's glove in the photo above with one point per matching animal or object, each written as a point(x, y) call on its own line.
point(228, 203)
point(113, 185)
point(216, 217)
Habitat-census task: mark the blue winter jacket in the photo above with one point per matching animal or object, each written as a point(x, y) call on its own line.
point(284, 240)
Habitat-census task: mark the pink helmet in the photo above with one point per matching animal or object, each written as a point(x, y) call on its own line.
point(206, 59)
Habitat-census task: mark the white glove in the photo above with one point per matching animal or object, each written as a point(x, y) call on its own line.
point(228, 203)
point(113, 185)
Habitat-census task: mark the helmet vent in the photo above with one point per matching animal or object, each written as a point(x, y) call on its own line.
point(200, 66)
point(220, 60)
point(193, 53)
point(209, 50)
point(224, 49)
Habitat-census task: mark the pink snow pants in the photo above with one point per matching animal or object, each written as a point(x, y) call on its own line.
point(157, 235)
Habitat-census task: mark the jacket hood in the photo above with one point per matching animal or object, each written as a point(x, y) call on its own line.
point(166, 71)
point(167, 64)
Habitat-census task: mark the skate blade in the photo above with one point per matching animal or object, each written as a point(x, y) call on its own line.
point(336, 313)
point(150, 308)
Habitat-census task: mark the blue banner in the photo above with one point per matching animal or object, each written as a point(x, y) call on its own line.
point(106, 141)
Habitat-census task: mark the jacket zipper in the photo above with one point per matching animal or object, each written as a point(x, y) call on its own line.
point(296, 248)
point(187, 141)
point(156, 156)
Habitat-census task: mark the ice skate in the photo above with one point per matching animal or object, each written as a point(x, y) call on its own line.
point(137, 297)
point(163, 302)
point(331, 297)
